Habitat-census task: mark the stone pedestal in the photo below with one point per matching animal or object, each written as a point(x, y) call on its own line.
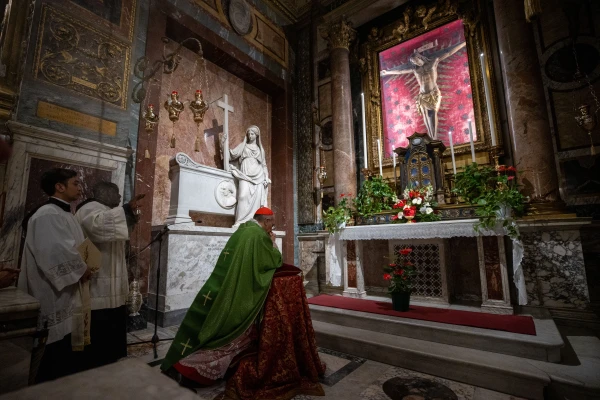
point(339, 36)
point(526, 107)
point(18, 323)
point(188, 255)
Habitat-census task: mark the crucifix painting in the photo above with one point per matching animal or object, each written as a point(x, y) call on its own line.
point(426, 87)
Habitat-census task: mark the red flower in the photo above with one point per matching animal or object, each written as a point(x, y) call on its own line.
point(399, 204)
point(410, 212)
point(405, 252)
point(387, 277)
point(391, 265)
point(394, 217)
point(408, 263)
point(501, 168)
point(399, 272)
point(510, 178)
point(342, 195)
point(512, 169)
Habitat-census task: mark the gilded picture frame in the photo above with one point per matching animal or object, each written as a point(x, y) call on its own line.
point(413, 24)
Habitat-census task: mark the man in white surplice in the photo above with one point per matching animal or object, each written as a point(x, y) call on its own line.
point(52, 268)
point(107, 226)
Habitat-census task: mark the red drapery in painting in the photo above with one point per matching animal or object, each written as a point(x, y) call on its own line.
point(287, 363)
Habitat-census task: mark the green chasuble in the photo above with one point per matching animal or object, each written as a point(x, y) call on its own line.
point(232, 297)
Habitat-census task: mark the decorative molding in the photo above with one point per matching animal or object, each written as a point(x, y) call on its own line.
point(340, 34)
point(27, 133)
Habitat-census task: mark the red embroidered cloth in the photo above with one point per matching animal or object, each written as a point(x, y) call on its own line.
point(287, 363)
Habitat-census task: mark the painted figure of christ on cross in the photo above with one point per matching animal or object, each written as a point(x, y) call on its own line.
point(425, 70)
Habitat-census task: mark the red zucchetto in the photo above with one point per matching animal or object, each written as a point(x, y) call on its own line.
point(263, 211)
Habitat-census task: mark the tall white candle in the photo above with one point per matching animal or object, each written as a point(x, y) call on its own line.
point(394, 158)
point(452, 151)
point(488, 98)
point(379, 153)
point(471, 140)
point(364, 126)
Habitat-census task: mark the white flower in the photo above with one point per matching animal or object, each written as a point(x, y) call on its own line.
point(423, 209)
point(429, 210)
point(405, 206)
point(427, 204)
point(417, 200)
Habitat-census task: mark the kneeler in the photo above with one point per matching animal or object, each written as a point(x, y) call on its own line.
point(286, 363)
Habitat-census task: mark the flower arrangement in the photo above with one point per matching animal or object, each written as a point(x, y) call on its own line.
point(416, 206)
point(496, 193)
point(335, 218)
point(400, 275)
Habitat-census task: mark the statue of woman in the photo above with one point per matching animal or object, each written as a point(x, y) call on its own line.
point(252, 175)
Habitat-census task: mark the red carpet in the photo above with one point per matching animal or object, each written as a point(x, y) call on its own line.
point(508, 323)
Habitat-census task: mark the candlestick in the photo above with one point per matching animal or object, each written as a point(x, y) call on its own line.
point(471, 140)
point(364, 128)
point(488, 99)
point(452, 151)
point(395, 175)
point(379, 153)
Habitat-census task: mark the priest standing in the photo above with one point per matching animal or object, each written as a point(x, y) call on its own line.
point(52, 269)
point(107, 226)
point(219, 325)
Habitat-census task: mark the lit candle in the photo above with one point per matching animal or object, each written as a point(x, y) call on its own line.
point(364, 126)
point(488, 99)
point(394, 158)
point(452, 151)
point(471, 140)
point(379, 153)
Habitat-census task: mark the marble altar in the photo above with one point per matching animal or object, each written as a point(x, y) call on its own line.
point(188, 255)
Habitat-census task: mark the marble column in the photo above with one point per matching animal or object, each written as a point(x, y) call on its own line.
point(526, 106)
point(339, 36)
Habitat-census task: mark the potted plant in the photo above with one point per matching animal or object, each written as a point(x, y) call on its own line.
point(496, 193)
point(400, 277)
point(335, 218)
point(417, 205)
point(374, 196)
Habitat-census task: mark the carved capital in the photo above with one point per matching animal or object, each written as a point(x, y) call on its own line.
point(339, 35)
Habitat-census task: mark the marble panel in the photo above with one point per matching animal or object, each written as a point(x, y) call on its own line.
point(251, 107)
point(374, 256)
point(188, 256)
point(310, 248)
point(554, 269)
point(304, 137)
point(463, 270)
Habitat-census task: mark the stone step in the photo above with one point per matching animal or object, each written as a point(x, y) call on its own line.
point(503, 373)
point(545, 346)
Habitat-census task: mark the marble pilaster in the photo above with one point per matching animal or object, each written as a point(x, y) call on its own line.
point(526, 105)
point(339, 36)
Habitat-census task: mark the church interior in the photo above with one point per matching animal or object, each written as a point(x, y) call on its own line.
point(429, 165)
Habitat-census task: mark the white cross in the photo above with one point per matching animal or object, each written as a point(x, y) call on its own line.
point(206, 298)
point(226, 109)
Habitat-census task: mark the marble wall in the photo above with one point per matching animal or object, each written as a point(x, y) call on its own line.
point(560, 21)
point(81, 90)
point(554, 269)
point(251, 107)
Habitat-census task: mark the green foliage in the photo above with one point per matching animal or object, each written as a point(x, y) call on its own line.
point(491, 190)
point(338, 215)
point(374, 196)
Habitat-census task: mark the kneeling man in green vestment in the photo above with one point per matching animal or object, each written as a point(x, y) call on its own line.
point(220, 324)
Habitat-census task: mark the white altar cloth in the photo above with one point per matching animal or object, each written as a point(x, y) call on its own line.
point(441, 230)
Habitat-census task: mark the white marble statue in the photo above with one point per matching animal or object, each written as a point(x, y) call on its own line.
point(252, 175)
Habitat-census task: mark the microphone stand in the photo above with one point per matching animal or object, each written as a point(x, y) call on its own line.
point(158, 238)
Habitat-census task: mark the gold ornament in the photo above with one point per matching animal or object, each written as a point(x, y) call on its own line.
point(174, 106)
point(151, 118)
point(586, 121)
point(198, 107)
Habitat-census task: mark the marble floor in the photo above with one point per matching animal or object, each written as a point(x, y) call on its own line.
point(347, 377)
